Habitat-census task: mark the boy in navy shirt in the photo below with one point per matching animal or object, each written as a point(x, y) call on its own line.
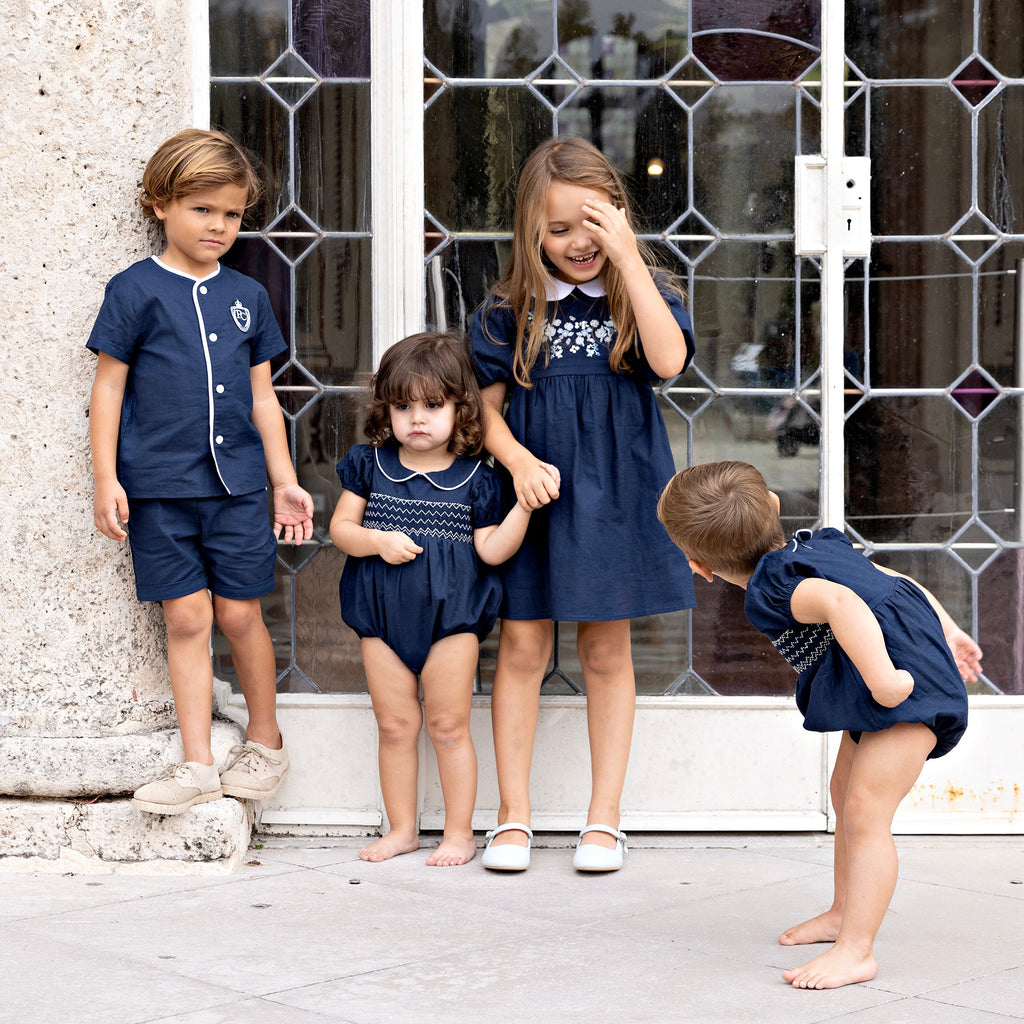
point(186, 430)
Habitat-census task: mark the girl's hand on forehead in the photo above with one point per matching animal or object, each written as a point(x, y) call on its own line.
point(609, 226)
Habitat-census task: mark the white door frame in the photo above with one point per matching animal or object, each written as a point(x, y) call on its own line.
point(684, 748)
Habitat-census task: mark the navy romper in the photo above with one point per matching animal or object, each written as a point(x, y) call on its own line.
point(830, 693)
point(444, 590)
point(598, 553)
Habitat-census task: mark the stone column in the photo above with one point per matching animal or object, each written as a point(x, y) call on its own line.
point(85, 707)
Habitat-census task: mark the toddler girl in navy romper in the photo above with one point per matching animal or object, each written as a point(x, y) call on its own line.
point(418, 513)
point(878, 657)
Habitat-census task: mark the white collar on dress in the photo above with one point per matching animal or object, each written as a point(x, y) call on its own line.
point(557, 289)
point(181, 273)
point(410, 473)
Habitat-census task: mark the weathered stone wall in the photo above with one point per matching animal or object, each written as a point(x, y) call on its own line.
point(90, 88)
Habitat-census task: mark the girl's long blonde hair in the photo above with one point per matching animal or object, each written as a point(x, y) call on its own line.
point(523, 288)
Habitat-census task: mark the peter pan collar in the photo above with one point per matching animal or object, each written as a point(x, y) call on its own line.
point(557, 289)
point(450, 479)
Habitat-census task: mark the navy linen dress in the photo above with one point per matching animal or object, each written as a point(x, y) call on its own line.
point(598, 552)
point(444, 590)
point(830, 693)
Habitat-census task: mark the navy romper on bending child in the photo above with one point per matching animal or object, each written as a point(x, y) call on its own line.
point(444, 590)
point(830, 692)
point(598, 553)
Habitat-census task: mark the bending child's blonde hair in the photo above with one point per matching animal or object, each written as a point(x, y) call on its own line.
point(192, 161)
point(523, 288)
point(722, 515)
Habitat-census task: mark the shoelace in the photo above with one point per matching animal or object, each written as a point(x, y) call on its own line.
point(250, 757)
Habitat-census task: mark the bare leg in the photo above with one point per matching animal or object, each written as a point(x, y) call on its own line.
point(189, 620)
point(252, 652)
point(524, 648)
point(825, 927)
point(394, 692)
point(447, 679)
point(885, 767)
point(606, 657)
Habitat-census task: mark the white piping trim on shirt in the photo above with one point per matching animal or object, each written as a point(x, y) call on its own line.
point(426, 476)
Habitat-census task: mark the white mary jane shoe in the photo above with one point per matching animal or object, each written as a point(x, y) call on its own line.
point(597, 858)
point(507, 857)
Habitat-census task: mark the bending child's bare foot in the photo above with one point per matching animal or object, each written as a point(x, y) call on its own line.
point(833, 969)
point(391, 844)
point(823, 928)
point(453, 851)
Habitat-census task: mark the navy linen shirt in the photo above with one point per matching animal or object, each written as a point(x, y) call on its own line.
point(186, 420)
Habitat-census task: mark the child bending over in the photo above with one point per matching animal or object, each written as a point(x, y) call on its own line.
point(878, 657)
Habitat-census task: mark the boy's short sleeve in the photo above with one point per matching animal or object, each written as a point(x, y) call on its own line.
point(485, 497)
point(491, 337)
point(356, 470)
point(116, 329)
point(269, 340)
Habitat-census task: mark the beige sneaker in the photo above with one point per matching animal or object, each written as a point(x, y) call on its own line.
point(180, 786)
point(255, 771)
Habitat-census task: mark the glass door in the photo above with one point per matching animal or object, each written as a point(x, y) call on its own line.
point(881, 394)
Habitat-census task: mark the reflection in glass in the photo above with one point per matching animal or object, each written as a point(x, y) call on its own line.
point(751, 131)
point(326, 650)
point(246, 38)
point(324, 432)
point(921, 307)
point(1001, 601)
point(769, 42)
point(912, 39)
point(926, 186)
point(333, 36)
point(332, 138)
point(908, 464)
point(476, 140)
point(333, 338)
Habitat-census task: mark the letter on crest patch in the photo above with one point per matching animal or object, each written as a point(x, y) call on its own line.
point(241, 316)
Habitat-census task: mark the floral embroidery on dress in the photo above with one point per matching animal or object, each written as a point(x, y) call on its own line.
point(569, 336)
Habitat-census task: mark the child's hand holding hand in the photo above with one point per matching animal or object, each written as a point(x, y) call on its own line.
point(396, 547)
point(293, 514)
point(536, 483)
point(966, 653)
point(609, 226)
point(895, 690)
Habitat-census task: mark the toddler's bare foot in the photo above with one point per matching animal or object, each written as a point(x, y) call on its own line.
point(453, 851)
point(837, 967)
point(391, 844)
point(823, 928)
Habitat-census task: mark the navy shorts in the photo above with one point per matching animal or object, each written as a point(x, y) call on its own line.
point(181, 545)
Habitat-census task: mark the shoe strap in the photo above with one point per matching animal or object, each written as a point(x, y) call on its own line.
point(509, 826)
point(620, 836)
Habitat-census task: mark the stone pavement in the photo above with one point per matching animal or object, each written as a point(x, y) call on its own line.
point(306, 933)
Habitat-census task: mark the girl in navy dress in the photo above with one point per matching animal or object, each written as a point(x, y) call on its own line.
point(878, 657)
point(418, 512)
point(573, 336)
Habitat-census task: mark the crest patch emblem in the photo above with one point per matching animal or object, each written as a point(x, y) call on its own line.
point(241, 316)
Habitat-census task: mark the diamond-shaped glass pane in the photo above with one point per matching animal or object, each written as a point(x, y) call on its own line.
point(975, 81)
point(975, 392)
point(292, 79)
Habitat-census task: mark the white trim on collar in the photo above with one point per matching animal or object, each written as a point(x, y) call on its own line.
point(181, 273)
point(557, 289)
point(428, 476)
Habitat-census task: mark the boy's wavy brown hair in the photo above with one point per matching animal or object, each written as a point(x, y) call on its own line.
point(193, 161)
point(722, 515)
point(431, 366)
